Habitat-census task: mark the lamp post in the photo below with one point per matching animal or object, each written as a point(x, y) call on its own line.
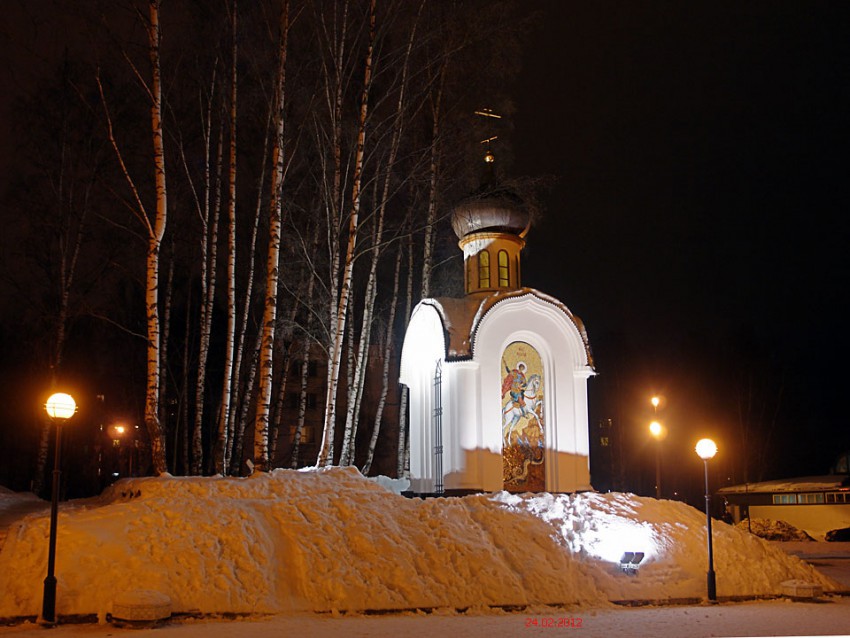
point(658, 432)
point(706, 449)
point(60, 407)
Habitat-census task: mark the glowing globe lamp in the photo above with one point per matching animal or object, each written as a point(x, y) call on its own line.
point(60, 406)
point(706, 449)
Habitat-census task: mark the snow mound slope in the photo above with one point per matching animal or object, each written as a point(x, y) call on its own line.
point(330, 539)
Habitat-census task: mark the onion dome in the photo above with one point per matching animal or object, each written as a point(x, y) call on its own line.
point(498, 210)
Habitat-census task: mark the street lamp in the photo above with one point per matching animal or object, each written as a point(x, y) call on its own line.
point(706, 449)
point(658, 432)
point(60, 407)
point(116, 433)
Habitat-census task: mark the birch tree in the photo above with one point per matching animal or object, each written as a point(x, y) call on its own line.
point(335, 353)
point(403, 458)
point(156, 232)
point(266, 361)
point(237, 420)
point(153, 221)
point(380, 96)
point(208, 210)
point(305, 348)
point(220, 453)
point(385, 374)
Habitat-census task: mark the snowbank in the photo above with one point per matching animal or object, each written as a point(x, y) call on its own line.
point(330, 539)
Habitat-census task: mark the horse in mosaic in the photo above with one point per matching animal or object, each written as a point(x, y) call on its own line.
point(513, 413)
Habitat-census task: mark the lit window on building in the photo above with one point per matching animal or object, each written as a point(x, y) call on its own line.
point(483, 269)
point(504, 276)
point(306, 433)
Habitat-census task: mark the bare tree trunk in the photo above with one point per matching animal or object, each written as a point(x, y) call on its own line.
point(302, 402)
point(248, 397)
point(155, 231)
point(67, 270)
point(350, 370)
point(68, 254)
point(209, 259)
point(428, 244)
point(238, 423)
point(305, 357)
point(261, 426)
point(326, 452)
point(403, 466)
point(355, 395)
point(286, 360)
point(334, 204)
point(220, 453)
point(166, 326)
point(385, 377)
point(184, 398)
point(358, 357)
point(155, 240)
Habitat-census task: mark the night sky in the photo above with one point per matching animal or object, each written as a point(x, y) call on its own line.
point(697, 218)
point(697, 224)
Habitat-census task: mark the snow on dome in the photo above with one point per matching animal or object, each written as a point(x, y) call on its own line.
point(329, 539)
point(500, 210)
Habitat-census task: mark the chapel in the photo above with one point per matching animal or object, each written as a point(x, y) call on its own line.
point(497, 379)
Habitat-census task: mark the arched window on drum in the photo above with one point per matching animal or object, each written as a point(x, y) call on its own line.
point(504, 270)
point(484, 269)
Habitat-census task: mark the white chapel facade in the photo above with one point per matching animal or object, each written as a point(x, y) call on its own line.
point(497, 379)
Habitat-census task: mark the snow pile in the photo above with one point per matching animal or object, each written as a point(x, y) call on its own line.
point(771, 530)
point(330, 539)
point(598, 528)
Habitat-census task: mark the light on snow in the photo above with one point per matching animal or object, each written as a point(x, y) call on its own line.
point(619, 536)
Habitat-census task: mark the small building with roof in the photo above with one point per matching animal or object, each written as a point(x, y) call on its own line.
point(497, 379)
point(818, 505)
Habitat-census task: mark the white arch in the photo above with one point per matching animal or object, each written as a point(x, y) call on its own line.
point(471, 389)
point(424, 346)
point(550, 331)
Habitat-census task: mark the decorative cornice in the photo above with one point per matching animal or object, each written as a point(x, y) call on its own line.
point(462, 317)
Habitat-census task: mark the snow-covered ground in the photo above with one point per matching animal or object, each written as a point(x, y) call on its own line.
point(773, 618)
point(303, 546)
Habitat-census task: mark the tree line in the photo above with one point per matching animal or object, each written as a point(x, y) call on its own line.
point(233, 188)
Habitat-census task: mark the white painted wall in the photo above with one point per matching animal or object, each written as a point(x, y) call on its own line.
point(471, 396)
point(424, 346)
point(545, 327)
